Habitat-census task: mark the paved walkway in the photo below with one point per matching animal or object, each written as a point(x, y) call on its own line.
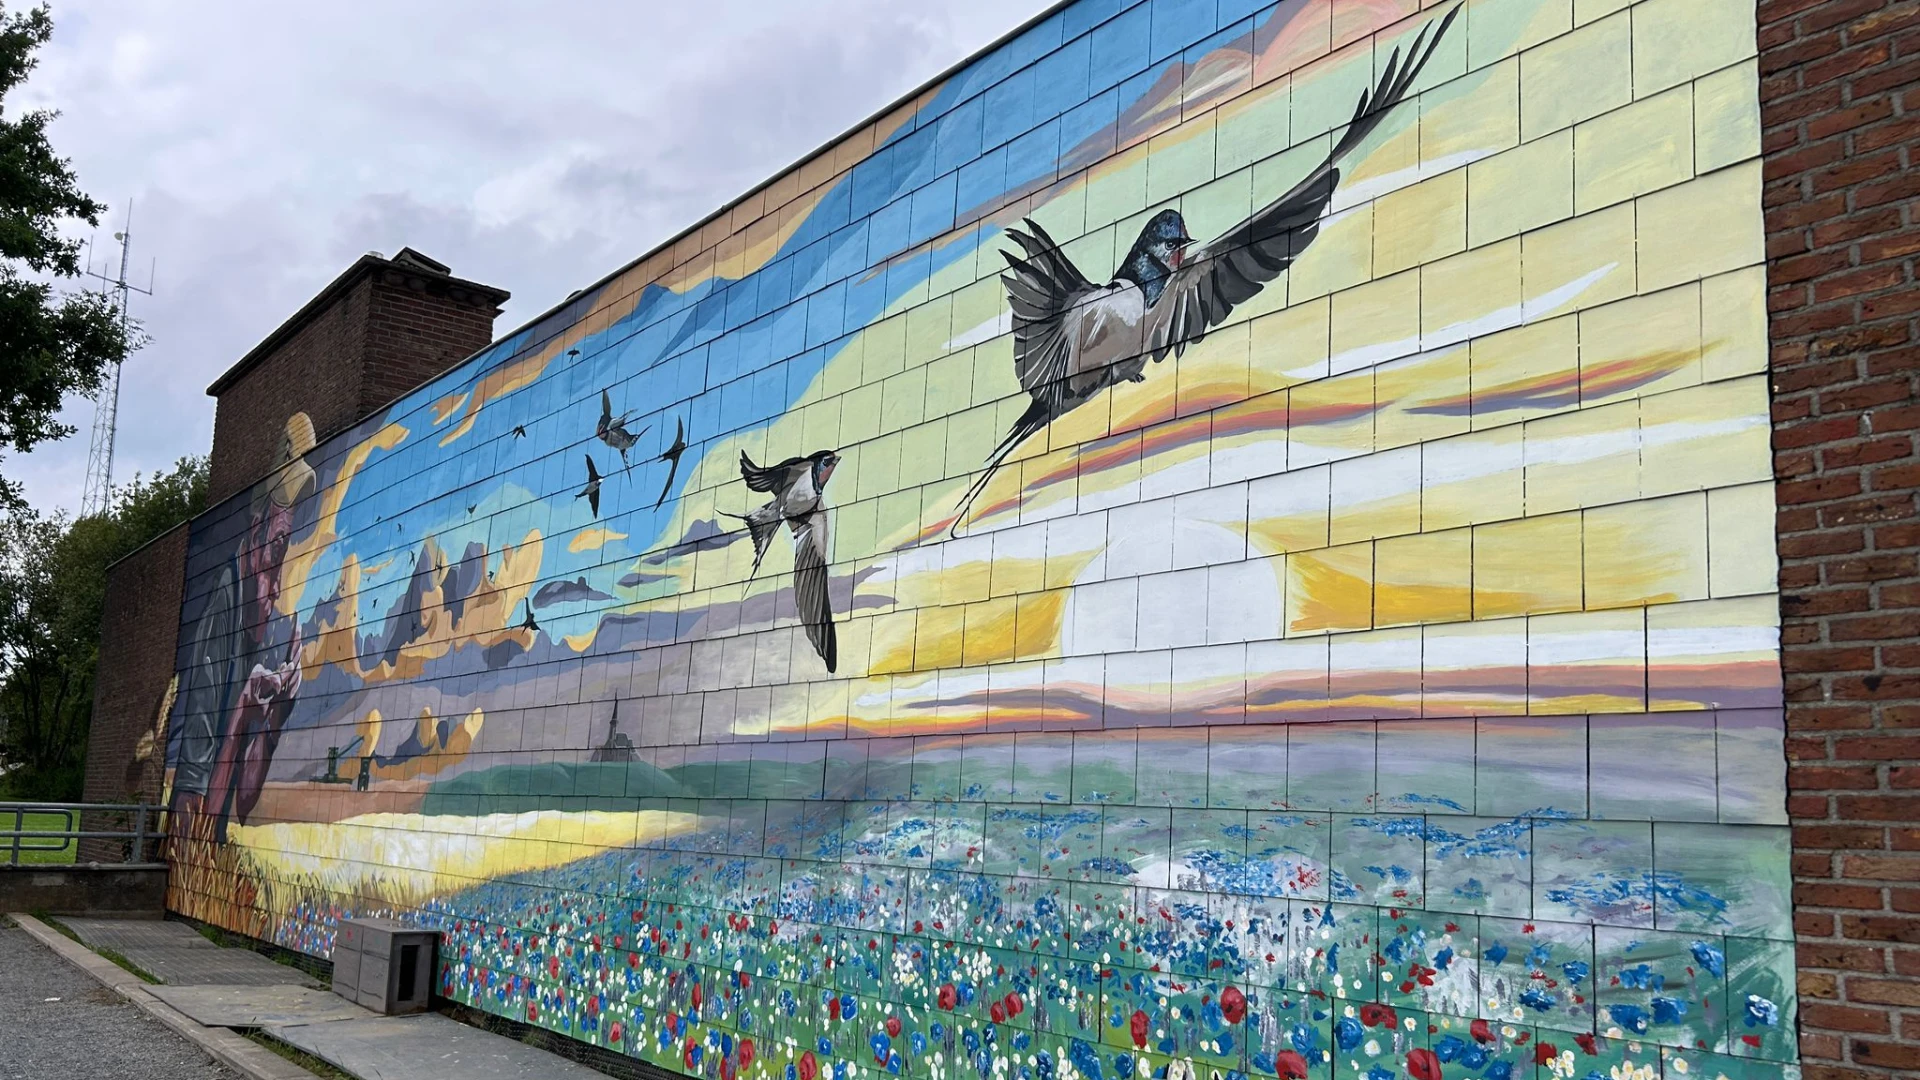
point(175, 954)
point(61, 1024)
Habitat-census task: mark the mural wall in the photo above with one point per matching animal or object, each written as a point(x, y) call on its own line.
point(1221, 539)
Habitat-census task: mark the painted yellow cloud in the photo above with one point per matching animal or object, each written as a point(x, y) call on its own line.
point(593, 538)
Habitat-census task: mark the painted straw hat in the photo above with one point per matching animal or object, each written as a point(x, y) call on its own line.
point(292, 476)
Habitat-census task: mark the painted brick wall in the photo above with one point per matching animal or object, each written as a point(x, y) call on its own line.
point(379, 331)
point(1839, 100)
point(137, 635)
point(1386, 685)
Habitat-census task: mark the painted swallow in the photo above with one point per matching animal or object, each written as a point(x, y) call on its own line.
point(519, 431)
point(612, 430)
point(528, 623)
point(672, 457)
point(798, 486)
point(592, 491)
point(1072, 339)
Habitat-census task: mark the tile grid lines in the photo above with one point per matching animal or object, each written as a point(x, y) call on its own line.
point(671, 358)
point(1522, 422)
point(684, 707)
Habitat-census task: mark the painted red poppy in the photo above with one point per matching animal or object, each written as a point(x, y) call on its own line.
point(1233, 1004)
point(1377, 1015)
point(949, 997)
point(809, 1067)
point(1137, 1027)
point(893, 1026)
point(1544, 1052)
point(1290, 1065)
point(1423, 1065)
point(746, 1052)
point(1480, 1031)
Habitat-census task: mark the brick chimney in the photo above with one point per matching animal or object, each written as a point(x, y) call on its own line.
point(381, 328)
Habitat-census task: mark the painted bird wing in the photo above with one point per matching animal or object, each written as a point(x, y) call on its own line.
point(592, 473)
point(672, 471)
point(1044, 288)
point(762, 479)
point(1229, 270)
point(810, 585)
point(606, 411)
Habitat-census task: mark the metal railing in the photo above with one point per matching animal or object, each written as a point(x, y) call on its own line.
point(17, 837)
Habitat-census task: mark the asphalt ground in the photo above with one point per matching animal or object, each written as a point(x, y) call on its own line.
point(57, 1023)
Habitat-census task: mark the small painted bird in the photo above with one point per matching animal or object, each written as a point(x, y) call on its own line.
point(519, 431)
point(612, 430)
point(1073, 339)
point(528, 623)
point(591, 492)
point(798, 486)
point(672, 457)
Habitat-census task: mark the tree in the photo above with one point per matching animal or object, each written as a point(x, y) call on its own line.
point(53, 575)
point(52, 344)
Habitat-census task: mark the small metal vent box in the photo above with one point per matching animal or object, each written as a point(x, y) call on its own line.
point(384, 965)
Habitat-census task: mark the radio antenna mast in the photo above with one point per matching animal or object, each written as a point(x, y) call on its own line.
point(97, 496)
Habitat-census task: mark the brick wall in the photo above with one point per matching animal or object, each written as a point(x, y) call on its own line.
point(417, 328)
point(138, 631)
point(314, 371)
point(1840, 105)
point(380, 330)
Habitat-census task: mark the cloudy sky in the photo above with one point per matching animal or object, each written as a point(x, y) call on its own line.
point(531, 146)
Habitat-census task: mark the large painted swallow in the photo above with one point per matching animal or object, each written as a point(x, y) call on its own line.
point(612, 430)
point(672, 457)
point(798, 488)
point(1072, 339)
point(591, 492)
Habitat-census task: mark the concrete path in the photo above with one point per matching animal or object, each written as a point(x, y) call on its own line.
point(175, 954)
point(428, 1046)
point(201, 1002)
point(258, 1006)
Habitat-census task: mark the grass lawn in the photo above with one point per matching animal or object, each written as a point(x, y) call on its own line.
point(56, 822)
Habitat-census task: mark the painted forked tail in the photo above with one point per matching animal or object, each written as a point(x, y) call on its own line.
point(1036, 417)
point(759, 530)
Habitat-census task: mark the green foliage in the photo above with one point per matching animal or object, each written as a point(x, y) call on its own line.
point(53, 576)
point(52, 344)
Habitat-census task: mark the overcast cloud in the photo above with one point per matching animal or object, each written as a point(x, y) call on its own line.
point(531, 146)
